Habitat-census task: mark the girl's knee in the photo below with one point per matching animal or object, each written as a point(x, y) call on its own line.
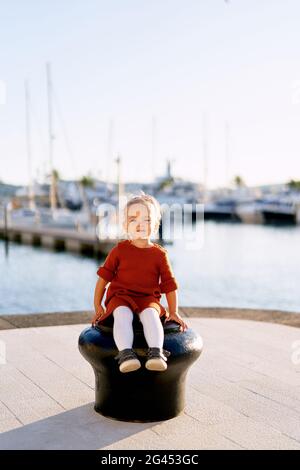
point(149, 312)
point(123, 312)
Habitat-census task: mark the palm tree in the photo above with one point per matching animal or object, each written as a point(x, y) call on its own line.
point(238, 181)
point(293, 184)
point(86, 181)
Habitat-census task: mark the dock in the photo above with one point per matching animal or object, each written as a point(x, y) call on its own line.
point(242, 393)
point(58, 239)
point(80, 241)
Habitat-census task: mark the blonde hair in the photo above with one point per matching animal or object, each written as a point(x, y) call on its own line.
point(147, 200)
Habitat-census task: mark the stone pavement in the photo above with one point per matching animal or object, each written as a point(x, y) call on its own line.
point(242, 393)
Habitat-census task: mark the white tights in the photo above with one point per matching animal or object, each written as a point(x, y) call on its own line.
point(123, 331)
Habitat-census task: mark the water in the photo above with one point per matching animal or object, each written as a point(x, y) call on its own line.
point(238, 265)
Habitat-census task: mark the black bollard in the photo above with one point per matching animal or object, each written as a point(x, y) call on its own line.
point(142, 395)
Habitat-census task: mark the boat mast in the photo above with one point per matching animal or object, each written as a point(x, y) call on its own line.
point(28, 145)
point(205, 153)
point(120, 189)
point(51, 139)
point(109, 153)
point(153, 145)
point(227, 155)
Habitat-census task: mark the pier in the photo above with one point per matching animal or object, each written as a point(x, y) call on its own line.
point(70, 240)
point(58, 239)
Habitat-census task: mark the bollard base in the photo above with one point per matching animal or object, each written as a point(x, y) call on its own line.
point(150, 420)
point(140, 396)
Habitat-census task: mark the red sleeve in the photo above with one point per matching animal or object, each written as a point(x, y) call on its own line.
point(108, 269)
point(168, 282)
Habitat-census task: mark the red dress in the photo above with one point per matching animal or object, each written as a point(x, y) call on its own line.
point(137, 276)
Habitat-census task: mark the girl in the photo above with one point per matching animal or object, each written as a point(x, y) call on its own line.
point(138, 272)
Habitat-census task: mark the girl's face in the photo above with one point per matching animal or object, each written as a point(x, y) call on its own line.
point(140, 221)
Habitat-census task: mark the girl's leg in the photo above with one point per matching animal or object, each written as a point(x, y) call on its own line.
point(152, 326)
point(154, 335)
point(122, 329)
point(123, 336)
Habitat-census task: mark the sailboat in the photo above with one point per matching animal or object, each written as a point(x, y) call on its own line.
point(61, 216)
point(281, 208)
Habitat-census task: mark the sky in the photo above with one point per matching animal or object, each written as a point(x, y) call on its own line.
point(152, 80)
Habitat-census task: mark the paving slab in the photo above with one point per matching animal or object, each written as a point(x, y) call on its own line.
point(242, 393)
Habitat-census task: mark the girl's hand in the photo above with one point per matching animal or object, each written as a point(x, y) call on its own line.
point(98, 314)
point(177, 318)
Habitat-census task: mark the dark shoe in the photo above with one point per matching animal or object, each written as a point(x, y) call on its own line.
point(128, 360)
point(157, 359)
